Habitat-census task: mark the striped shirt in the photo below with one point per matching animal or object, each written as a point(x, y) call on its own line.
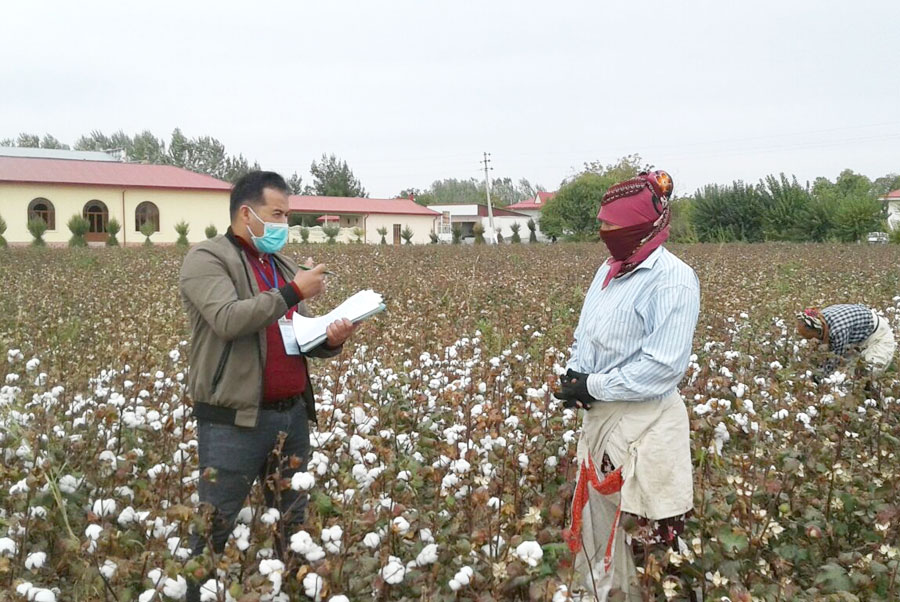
point(634, 337)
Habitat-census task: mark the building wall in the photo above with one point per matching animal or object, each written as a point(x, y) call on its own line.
point(199, 208)
point(422, 226)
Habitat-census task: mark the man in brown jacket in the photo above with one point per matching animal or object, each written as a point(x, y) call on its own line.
point(248, 380)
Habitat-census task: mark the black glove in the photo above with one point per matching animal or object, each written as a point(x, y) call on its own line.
point(573, 390)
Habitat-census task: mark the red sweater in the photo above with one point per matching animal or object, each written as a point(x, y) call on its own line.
point(283, 375)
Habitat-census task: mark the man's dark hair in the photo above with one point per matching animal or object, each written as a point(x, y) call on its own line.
point(249, 189)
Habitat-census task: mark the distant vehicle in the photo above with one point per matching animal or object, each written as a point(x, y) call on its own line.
point(877, 237)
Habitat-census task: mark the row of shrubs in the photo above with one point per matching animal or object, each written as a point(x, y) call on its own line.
point(79, 227)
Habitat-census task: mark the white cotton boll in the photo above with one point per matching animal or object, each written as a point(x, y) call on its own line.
point(302, 481)
point(270, 516)
point(331, 537)
point(460, 466)
point(245, 516)
point(523, 461)
point(339, 598)
point(312, 585)
point(551, 462)
point(175, 588)
point(462, 578)
point(393, 572)
point(302, 543)
point(400, 525)
point(372, 540)
point(147, 595)
point(269, 566)
point(428, 555)
point(530, 552)
point(127, 516)
point(41, 595)
point(404, 476)
point(426, 536)
point(210, 591)
point(37, 512)
point(32, 364)
point(20, 487)
point(35, 560)
point(104, 507)
point(93, 531)
point(494, 502)
point(241, 536)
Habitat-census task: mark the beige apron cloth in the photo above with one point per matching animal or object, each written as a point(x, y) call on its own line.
point(650, 441)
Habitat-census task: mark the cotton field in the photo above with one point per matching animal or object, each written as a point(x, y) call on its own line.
point(441, 465)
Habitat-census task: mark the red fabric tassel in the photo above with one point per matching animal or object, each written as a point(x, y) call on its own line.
point(612, 483)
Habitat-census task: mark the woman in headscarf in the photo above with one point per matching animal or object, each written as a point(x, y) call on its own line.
point(632, 346)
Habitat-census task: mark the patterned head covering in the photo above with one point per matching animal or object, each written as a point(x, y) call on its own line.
point(813, 319)
point(639, 203)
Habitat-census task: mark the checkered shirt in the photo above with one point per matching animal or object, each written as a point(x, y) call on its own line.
point(848, 325)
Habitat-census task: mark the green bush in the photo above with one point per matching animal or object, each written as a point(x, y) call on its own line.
point(148, 229)
point(499, 235)
point(434, 237)
point(37, 227)
point(358, 233)
point(532, 228)
point(515, 238)
point(211, 231)
point(78, 226)
point(2, 231)
point(406, 234)
point(383, 231)
point(456, 230)
point(478, 231)
point(331, 231)
point(304, 234)
point(112, 228)
point(182, 228)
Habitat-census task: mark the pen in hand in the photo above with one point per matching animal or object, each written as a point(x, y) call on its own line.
point(307, 268)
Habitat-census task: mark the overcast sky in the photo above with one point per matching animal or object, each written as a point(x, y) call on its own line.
point(413, 91)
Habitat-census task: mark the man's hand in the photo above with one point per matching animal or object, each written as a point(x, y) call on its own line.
point(573, 390)
point(311, 282)
point(339, 331)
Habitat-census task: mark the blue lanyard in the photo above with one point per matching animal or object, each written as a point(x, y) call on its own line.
point(262, 274)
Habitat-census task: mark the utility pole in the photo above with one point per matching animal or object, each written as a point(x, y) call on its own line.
point(492, 236)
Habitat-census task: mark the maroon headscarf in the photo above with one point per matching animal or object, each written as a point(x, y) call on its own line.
point(641, 207)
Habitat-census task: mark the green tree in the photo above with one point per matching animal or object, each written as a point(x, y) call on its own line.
point(407, 234)
point(858, 216)
point(421, 197)
point(885, 184)
point(304, 234)
point(786, 205)
point(515, 227)
point(112, 228)
point(728, 213)
point(3, 243)
point(295, 183)
point(37, 227)
point(682, 230)
point(333, 177)
point(34, 141)
point(182, 228)
point(383, 232)
point(211, 231)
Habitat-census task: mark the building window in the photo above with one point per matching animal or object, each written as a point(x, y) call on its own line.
point(397, 234)
point(145, 213)
point(41, 208)
point(97, 215)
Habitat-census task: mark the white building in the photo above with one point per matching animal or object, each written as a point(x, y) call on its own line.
point(893, 208)
point(468, 215)
point(532, 208)
point(367, 216)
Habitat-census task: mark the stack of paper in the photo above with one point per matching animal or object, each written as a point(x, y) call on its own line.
point(310, 332)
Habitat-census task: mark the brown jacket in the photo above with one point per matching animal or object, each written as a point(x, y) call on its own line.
point(228, 316)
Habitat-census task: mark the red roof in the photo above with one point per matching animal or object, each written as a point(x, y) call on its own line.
point(894, 194)
point(104, 173)
point(530, 204)
point(356, 206)
point(325, 218)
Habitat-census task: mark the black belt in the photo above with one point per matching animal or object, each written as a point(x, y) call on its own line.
point(281, 405)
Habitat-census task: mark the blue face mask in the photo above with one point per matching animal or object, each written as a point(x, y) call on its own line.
point(275, 236)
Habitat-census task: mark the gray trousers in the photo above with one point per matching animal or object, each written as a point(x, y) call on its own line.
point(239, 456)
